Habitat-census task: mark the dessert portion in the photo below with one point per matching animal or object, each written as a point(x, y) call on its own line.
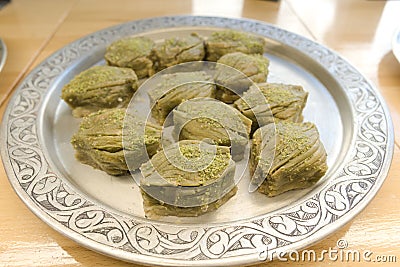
point(178, 87)
point(153, 208)
point(188, 178)
point(221, 124)
point(227, 41)
point(177, 50)
point(264, 103)
point(236, 72)
point(99, 87)
point(214, 112)
point(132, 52)
point(299, 157)
point(99, 141)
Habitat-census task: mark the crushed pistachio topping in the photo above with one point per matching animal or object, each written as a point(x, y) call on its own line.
point(277, 93)
point(190, 152)
point(179, 42)
point(293, 138)
point(215, 162)
point(242, 60)
point(217, 114)
point(109, 118)
point(217, 166)
point(98, 77)
point(245, 38)
point(274, 93)
point(129, 48)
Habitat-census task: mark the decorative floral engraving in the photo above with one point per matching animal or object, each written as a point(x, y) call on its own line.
point(33, 178)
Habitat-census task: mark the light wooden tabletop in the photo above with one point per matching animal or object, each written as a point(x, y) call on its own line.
point(360, 30)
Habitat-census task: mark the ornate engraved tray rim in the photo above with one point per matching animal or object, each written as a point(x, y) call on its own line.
point(148, 242)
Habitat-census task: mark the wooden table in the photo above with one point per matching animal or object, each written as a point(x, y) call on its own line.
point(360, 30)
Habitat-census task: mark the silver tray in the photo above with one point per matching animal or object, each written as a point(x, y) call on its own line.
point(105, 213)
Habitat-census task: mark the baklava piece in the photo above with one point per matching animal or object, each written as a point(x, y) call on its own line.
point(99, 87)
point(236, 72)
point(264, 103)
point(132, 52)
point(299, 157)
point(101, 140)
point(227, 41)
point(178, 50)
point(200, 119)
point(187, 179)
point(177, 87)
